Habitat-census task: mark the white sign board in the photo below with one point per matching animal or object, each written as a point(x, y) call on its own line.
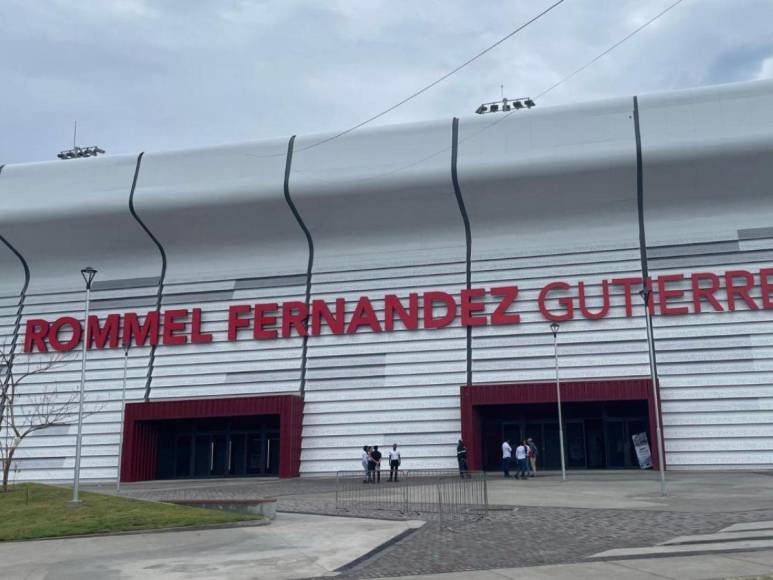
point(643, 453)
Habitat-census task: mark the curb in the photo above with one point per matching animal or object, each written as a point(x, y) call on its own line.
point(380, 548)
point(199, 528)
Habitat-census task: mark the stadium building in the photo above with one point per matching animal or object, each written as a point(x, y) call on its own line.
point(283, 303)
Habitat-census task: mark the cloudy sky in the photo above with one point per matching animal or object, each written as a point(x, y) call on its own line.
point(170, 74)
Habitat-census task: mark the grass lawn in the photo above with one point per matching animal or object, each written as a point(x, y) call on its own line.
point(48, 515)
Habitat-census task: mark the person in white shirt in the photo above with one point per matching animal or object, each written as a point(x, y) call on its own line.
point(521, 456)
point(365, 461)
point(507, 453)
point(394, 462)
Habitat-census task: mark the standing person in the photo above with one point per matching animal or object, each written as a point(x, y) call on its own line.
point(394, 462)
point(377, 462)
point(532, 457)
point(507, 454)
point(371, 466)
point(521, 457)
point(461, 458)
point(365, 462)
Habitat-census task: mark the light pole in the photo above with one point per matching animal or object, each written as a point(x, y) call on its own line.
point(646, 293)
point(554, 329)
point(88, 277)
point(123, 412)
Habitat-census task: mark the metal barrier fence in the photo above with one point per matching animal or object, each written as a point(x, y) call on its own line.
point(442, 492)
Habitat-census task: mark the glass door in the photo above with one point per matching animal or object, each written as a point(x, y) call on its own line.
point(575, 443)
point(203, 450)
point(272, 454)
point(219, 463)
point(550, 447)
point(594, 443)
point(255, 458)
point(615, 439)
point(511, 431)
point(237, 455)
point(183, 455)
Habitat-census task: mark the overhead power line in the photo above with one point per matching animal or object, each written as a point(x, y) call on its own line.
point(506, 115)
point(608, 50)
point(577, 71)
point(497, 121)
point(435, 82)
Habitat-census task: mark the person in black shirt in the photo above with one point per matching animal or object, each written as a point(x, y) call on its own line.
point(371, 473)
point(376, 455)
point(461, 458)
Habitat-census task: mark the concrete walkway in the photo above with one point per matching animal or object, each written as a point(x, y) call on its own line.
point(596, 524)
point(706, 567)
point(705, 492)
point(697, 491)
point(293, 546)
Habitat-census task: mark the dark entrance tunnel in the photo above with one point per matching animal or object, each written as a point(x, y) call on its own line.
point(218, 447)
point(600, 418)
point(198, 438)
point(597, 435)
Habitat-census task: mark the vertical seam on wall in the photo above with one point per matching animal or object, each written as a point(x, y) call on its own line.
point(467, 232)
point(640, 211)
point(22, 298)
point(310, 242)
point(133, 211)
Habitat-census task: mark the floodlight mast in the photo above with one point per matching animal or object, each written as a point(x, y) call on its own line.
point(506, 105)
point(81, 152)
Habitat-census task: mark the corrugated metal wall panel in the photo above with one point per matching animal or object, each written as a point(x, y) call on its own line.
point(550, 194)
point(708, 208)
point(380, 388)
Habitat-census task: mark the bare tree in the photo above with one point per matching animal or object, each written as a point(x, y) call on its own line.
point(22, 414)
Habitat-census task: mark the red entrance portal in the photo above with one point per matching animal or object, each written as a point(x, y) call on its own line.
point(475, 396)
point(142, 421)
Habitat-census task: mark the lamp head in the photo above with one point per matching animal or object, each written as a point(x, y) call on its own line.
point(88, 274)
point(554, 328)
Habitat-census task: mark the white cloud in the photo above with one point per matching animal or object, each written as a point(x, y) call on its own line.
point(766, 70)
point(149, 75)
point(133, 8)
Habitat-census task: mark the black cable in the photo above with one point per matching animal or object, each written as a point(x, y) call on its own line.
point(582, 68)
point(423, 89)
point(506, 115)
point(610, 49)
point(435, 82)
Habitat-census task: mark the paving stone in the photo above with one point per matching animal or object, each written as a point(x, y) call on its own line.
point(506, 537)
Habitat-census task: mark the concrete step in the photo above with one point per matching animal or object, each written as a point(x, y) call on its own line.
point(685, 549)
point(764, 525)
point(720, 537)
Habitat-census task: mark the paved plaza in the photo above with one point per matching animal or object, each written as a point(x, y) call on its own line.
point(293, 546)
point(546, 525)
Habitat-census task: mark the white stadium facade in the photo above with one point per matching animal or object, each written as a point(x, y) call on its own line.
point(283, 303)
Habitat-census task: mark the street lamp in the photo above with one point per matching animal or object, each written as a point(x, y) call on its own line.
point(88, 277)
point(123, 412)
point(554, 329)
point(646, 294)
